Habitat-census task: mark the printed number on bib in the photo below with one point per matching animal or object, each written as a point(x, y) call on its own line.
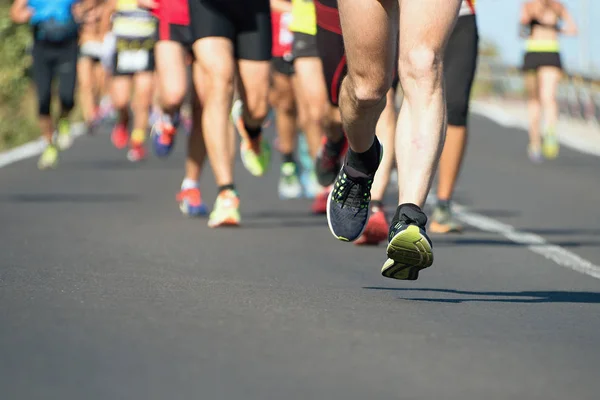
point(133, 61)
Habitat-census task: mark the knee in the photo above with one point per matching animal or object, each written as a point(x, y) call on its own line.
point(366, 90)
point(547, 99)
point(285, 104)
point(219, 78)
point(257, 105)
point(421, 70)
point(172, 97)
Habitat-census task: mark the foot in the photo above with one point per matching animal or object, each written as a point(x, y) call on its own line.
point(49, 157)
point(443, 220)
point(190, 202)
point(376, 230)
point(163, 136)
point(119, 136)
point(255, 152)
point(348, 203)
point(226, 211)
point(64, 138)
point(409, 249)
point(289, 183)
point(550, 146)
point(256, 155)
point(319, 205)
point(535, 154)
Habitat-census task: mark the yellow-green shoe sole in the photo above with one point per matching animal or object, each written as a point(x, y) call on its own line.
point(408, 252)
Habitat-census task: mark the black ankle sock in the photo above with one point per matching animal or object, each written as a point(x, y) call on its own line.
point(253, 133)
point(288, 157)
point(409, 213)
point(334, 147)
point(226, 187)
point(376, 203)
point(366, 162)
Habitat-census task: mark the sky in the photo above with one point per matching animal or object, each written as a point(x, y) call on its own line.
point(498, 21)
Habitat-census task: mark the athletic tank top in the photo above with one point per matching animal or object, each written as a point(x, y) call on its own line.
point(304, 17)
point(130, 21)
point(282, 37)
point(173, 12)
point(53, 20)
point(467, 8)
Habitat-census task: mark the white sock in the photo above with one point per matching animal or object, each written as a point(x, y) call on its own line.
point(189, 184)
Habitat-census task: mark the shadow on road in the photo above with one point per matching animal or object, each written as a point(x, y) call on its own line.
point(119, 165)
point(69, 198)
point(283, 219)
point(445, 241)
point(461, 296)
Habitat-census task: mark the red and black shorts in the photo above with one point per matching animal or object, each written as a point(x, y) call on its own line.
point(174, 22)
point(330, 45)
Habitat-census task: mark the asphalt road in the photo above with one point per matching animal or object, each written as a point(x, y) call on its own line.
point(107, 292)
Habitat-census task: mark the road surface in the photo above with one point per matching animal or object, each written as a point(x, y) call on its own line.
point(107, 292)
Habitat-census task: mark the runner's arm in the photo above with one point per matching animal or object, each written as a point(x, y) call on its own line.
point(524, 20)
point(570, 27)
point(20, 13)
point(282, 6)
point(108, 9)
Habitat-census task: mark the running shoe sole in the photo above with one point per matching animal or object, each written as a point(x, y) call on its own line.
point(408, 252)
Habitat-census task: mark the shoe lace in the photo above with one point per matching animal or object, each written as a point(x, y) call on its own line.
point(355, 192)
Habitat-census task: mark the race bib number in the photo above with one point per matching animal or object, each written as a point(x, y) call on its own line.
point(133, 61)
point(285, 36)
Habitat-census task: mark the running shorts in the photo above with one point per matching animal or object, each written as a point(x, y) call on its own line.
point(330, 47)
point(534, 60)
point(92, 50)
point(246, 23)
point(460, 62)
point(304, 45)
point(174, 22)
point(283, 66)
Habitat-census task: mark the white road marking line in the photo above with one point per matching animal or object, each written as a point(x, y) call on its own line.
point(534, 242)
point(32, 148)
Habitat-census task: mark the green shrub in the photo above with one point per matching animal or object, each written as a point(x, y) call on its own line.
point(17, 99)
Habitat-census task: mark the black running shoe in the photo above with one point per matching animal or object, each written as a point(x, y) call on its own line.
point(409, 249)
point(348, 203)
point(328, 163)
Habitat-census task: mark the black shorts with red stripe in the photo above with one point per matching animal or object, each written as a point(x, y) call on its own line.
point(174, 22)
point(330, 45)
point(175, 33)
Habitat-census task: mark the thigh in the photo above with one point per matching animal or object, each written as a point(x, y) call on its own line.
point(311, 80)
point(171, 66)
point(66, 67)
point(85, 72)
point(426, 24)
point(370, 30)
point(549, 77)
